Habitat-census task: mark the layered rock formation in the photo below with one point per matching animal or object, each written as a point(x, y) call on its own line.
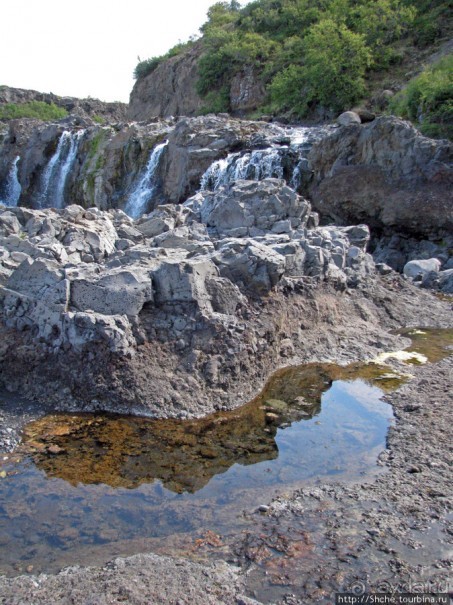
point(169, 90)
point(183, 311)
point(109, 160)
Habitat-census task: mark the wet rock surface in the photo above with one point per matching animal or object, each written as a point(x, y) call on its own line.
point(143, 578)
point(386, 535)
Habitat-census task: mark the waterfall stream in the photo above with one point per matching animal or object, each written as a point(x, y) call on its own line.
point(57, 170)
point(147, 184)
point(13, 188)
point(284, 161)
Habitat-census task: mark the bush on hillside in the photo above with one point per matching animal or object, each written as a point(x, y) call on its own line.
point(428, 99)
point(335, 60)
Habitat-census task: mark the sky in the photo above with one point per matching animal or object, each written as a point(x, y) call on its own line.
point(89, 48)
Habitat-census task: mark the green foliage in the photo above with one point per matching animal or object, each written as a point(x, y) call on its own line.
point(428, 99)
point(98, 119)
point(433, 20)
point(95, 144)
point(287, 90)
point(33, 109)
point(335, 61)
point(217, 101)
point(143, 68)
point(146, 67)
point(220, 15)
point(381, 23)
point(306, 52)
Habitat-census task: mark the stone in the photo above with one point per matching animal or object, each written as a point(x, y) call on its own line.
point(120, 293)
point(381, 174)
point(155, 225)
point(446, 281)
point(248, 206)
point(251, 265)
point(419, 268)
point(383, 269)
point(183, 281)
point(348, 117)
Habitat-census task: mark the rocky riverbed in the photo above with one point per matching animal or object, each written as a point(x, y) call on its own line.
point(241, 252)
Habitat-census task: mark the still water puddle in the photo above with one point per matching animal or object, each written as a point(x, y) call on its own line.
point(89, 487)
point(85, 488)
point(429, 344)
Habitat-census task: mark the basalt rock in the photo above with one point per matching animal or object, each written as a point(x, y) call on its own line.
point(148, 318)
point(387, 175)
point(170, 89)
point(109, 161)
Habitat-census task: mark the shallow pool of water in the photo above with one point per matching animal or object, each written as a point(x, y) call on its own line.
point(85, 488)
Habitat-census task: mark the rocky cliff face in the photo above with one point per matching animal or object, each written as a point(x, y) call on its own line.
point(108, 161)
point(386, 174)
point(383, 173)
point(85, 108)
point(170, 90)
point(226, 273)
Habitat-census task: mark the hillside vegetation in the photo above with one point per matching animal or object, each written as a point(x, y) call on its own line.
point(32, 109)
point(312, 55)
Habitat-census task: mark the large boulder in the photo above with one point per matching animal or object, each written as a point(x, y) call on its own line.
point(122, 292)
point(250, 208)
point(385, 174)
point(253, 266)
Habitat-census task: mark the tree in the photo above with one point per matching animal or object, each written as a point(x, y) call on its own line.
point(335, 60)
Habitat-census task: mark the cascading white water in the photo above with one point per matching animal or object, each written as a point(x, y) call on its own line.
point(12, 188)
point(265, 163)
point(255, 166)
point(57, 170)
point(146, 186)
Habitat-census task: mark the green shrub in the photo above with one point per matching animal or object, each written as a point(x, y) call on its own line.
point(428, 99)
point(33, 109)
point(146, 67)
point(287, 90)
point(217, 101)
point(335, 60)
point(143, 68)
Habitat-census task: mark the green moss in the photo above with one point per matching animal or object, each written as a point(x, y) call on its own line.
point(95, 144)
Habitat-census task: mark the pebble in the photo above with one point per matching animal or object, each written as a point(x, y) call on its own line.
point(263, 508)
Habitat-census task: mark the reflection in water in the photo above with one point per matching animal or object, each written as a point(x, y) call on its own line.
point(432, 343)
point(184, 455)
point(90, 487)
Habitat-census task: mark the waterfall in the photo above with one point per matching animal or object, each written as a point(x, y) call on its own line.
point(146, 186)
point(272, 162)
point(255, 166)
point(57, 170)
point(13, 188)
